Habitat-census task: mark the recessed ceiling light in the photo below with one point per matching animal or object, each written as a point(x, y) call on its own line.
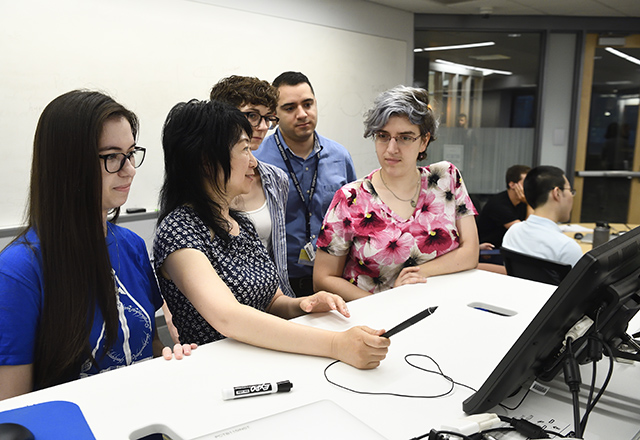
point(484, 71)
point(454, 47)
point(494, 57)
point(622, 55)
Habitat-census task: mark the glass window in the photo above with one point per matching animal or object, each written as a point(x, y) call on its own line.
point(613, 124)
point(485, 94)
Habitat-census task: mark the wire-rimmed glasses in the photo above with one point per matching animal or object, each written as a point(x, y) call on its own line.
point(404, 140)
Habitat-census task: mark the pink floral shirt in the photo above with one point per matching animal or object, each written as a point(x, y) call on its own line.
point(378, 242)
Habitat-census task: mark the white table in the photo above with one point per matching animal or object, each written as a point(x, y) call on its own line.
point(467, 343)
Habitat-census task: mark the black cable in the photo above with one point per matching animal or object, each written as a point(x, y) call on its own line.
point(595, 354)
point(519, 403)
point(595, 349)
point(452, 382)
point(605, 384)
point(525, 427)
point(438, 435)
point(521, 426)
point(512, 429)
point(440, 372)
point(379, 393)
point(572, 379)
point(592, 387)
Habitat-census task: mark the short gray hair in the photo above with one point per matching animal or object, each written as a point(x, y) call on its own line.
point(411, 102)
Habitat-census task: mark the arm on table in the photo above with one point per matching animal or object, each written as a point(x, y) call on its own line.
point(464, 257)
point(287, 307)
point(327, 275)
point(193, 274)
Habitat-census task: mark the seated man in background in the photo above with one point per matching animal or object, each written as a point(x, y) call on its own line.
point(504, 209)
point(551, 197)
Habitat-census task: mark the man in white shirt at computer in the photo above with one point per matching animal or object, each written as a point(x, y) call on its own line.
point(550, 195)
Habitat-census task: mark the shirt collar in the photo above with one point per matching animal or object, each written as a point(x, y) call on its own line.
point(543, 221)
point(317, 147)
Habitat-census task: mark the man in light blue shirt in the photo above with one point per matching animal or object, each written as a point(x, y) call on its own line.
point(550, 195)
point(317, 167)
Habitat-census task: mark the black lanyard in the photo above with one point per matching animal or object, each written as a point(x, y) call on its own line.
point(296, 182)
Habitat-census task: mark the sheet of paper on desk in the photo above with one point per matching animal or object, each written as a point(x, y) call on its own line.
point(574, 228)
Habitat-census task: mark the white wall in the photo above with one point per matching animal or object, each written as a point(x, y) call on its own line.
point(151, 54)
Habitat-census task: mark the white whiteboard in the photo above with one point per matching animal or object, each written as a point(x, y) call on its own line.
point(151, 54)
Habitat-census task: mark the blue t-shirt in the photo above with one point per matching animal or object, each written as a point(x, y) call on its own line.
point(335, 169)
point(21, 298)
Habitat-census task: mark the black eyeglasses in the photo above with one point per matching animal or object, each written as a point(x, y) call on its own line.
point(114, 162)
point(255, 118)
point(571, 190)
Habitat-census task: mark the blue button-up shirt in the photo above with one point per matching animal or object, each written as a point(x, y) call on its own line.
point(335, 168)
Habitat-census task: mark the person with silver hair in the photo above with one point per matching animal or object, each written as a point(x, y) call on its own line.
point(402, 223)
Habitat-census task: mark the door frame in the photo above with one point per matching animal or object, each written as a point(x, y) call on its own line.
point(591, 43)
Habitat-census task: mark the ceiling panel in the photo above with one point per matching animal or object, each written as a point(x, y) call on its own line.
point(578, 8)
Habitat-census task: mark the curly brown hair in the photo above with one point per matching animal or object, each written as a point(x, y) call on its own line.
point(242, 90)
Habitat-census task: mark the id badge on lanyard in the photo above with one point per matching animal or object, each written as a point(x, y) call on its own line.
point(308, 252)
point(307, 255)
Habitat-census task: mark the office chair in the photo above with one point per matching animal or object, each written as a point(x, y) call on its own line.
point(534, 268)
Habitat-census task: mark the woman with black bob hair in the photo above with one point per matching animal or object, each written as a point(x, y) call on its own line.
point(217, 278)
point(77, 293)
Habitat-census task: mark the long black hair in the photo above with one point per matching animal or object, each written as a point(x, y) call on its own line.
point(197, 139)
point(65, 210)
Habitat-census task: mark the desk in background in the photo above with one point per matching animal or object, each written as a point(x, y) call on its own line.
point(570, 230)
point(466, 342)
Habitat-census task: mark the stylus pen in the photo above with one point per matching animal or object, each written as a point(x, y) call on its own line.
point(409, 322)
point(258, 389)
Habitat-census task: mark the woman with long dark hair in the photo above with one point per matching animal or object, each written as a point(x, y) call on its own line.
point(77, 293)
point(217, 278)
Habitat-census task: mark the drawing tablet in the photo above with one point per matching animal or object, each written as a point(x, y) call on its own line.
point(294, 424)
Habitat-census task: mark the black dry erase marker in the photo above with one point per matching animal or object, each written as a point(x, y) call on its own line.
point(409, 322)
point(256, 390)
point(135, 210)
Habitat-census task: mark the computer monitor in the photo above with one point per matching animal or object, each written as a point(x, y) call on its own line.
point(605, 283)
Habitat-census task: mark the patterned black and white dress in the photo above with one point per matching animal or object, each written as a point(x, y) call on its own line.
point(242, 263)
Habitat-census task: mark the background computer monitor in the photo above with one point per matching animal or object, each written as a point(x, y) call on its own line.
point(605, 283)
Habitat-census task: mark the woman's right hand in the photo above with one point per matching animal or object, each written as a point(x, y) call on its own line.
point(409, 275)
point(360, 347)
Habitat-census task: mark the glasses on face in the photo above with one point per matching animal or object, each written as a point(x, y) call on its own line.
point(114, 162)
point(404, 140)
point(255, 118)
point(571, 190)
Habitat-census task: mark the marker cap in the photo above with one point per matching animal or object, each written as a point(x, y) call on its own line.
point(284, 386)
